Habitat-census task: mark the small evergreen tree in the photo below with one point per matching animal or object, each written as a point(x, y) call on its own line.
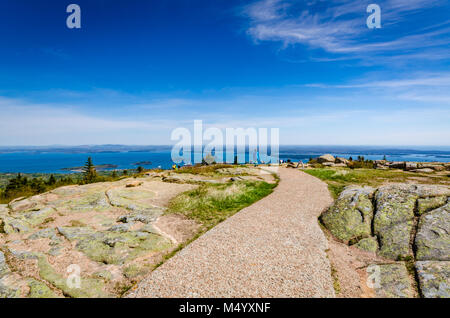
point(384, 158)
point(114, 174)
point(51, 180)
point(125, 172)
point(140, 169)
point(89, 172)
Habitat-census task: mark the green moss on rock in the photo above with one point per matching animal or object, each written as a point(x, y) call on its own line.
point(433, 235)
point(369, 244)
point(394, 281)
point(40, 290)
point(90, 287)
point(114, 247)
point(427, 204)
point(351, 215)
point(434, 278)
point(394, 219)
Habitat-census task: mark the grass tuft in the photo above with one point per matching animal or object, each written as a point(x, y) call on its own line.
point(210, 204)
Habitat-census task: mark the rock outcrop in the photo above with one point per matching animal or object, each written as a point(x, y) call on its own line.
point(110, 234)
point(434, 279)
point(326, 158)
point(350, 218)
point(102, 229)
point(400, 222)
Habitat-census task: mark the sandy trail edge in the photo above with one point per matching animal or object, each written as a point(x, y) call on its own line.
point(273, 248)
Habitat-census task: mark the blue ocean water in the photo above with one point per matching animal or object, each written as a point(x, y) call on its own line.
point(55, 161)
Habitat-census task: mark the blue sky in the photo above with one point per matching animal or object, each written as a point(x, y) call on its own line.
point(138, 69)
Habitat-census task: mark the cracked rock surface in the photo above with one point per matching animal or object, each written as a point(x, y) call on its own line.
point(409, 223)
point(98, 231)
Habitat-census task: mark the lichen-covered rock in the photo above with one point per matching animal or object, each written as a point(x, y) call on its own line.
point(39, 245)
point(4, 209)
point(9, 286)
point(129, 198)
point(146, 216)
point(394, 219)
point(125, 227)
point(39, 216)
point(430, 190)
point(117, 248)
point(105, 275)
point(89, 287)
point(75, 233)
point(351, 215)
point(21, 204)
point(393, 281)
point(12, 225)
point(434, 278)
point(114, 247)
point(40, 290)
point(44, 233)
point(427, 204)
point(23, 255)
point(4, 268)
point(369, 244)
point(433, 235)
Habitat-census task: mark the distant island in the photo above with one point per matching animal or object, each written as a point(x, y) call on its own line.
point(142, 163)
point(98, 167)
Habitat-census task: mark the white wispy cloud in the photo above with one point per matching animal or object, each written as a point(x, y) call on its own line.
point(322, 119)
point(422, 89)
point(430, 80)
point(341, 29)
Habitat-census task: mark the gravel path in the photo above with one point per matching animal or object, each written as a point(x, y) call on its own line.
point(273, 248)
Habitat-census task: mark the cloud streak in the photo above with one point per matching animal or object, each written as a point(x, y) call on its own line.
point(340, 28)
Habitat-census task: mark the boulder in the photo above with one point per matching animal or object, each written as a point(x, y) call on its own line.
point(351, 216)
point(434, 166)
point(326, 158)
point(423, 170)
point(410, 166)
point(427, 204)
point(434, 278)
point(433, 235)
point(328, 164)
point(394, 219)
point(393, 281)
point(342, 160)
